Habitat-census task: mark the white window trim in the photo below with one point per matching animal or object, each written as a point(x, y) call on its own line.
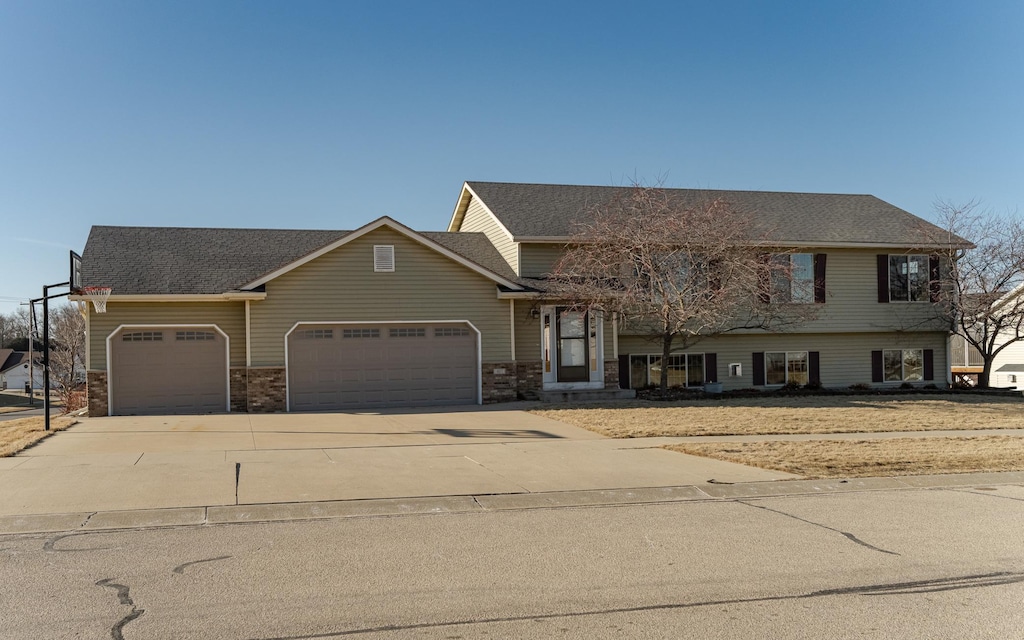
point(888, 277)
point(790, 280)
point(807, 356)
point(684, 354)
point(903, 366)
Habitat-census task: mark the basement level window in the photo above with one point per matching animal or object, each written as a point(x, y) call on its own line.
point(194, 336)
point(143, 336)
point(384, 258)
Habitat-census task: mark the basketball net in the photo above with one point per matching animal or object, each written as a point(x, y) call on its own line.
point(98, 296)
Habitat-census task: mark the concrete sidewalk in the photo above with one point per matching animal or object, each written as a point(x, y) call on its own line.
point(200, 462)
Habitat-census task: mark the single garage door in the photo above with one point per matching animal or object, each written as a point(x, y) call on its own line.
point(332, 367)
point(169, 370)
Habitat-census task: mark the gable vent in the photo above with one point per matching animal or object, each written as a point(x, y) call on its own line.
point(383, 257)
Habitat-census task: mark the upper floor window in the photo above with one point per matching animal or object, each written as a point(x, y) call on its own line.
point(793, 277)
point(908, 278)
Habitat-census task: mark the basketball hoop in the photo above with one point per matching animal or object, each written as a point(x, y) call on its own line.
point(99, 296)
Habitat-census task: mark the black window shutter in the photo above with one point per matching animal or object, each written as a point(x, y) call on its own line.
point(711, 367)
point(929, 364)
point(623, 371)
point(813, 367)
point(883, 279)
point(877, 369)
point(934, 279)
point(819, 277)
point(764, 278)
point(759, 368)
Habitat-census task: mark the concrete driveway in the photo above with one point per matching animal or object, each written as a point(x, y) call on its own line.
point(164, 462)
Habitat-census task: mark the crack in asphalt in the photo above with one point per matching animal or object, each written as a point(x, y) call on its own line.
point(846, 534)
point(975, 492)
point(49, 545)
point(122, 598)
point(181, 567)
point(976, 581)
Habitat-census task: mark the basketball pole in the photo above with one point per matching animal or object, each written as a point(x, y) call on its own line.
point(46, 345)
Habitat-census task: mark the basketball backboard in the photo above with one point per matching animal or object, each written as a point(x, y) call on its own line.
point(75, 277)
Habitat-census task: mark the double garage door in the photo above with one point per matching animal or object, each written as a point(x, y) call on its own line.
point(346, 366)
point(168, 370)
point(175, 370)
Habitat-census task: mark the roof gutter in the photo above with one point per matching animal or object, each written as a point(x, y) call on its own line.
point(181, 297)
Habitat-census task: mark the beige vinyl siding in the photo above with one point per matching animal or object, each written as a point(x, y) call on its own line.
point(342, 286)
point(528, 333)
point(538, 259)
point(229, 316)
point(478, 219)
point(845, 358)
point(851, 302)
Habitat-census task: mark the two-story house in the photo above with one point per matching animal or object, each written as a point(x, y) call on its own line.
point(203, 320)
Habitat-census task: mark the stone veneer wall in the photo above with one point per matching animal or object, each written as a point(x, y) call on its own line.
point(96, 390)
point(611, 374)
point(499, 382)
point(266, 389)
point(239, 389)
point(530, 378)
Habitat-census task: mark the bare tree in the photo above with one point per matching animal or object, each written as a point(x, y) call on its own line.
point(67, 353)
point(14, 329)
point(981, 282)
point(682, 268)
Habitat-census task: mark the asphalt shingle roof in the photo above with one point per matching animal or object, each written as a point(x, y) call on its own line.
point(174, 260)
point(550, 210)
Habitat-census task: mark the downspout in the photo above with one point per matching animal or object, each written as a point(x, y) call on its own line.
point(512, 326)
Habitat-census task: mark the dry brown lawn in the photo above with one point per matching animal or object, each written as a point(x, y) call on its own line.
point(858, 458)
point(15, 435)
point(802, 414)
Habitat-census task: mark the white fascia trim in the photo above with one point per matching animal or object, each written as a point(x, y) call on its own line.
point(543, 239)
point(227, 356)
point(461, 205)
point(479, 349)
point(467, 189)
point(183, 297)
point(520, 295)
point(384, 221)
point(776, 243)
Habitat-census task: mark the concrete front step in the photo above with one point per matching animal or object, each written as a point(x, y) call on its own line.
point(585, 395)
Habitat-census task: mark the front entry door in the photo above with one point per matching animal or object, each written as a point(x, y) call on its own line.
point(572, 346)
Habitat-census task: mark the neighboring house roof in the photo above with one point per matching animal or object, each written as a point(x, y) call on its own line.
point(191, 261)
point(12, 360)
point(5, 354)
point(1012, 368)
point(542, 211)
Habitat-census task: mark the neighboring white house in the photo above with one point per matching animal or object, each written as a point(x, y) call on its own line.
point(1008, 367)
point(14, 372)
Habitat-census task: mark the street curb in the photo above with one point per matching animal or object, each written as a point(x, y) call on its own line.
point(391, 507)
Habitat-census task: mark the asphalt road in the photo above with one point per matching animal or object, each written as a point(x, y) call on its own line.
point(28, 413)
point(934, 563)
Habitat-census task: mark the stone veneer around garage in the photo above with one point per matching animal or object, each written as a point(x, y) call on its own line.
point(239, 389)
point(266, 389)
point(96, 390)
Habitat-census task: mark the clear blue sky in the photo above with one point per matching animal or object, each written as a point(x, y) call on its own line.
point(330, 114)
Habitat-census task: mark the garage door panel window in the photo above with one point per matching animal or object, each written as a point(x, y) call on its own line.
point(316, 334)
point(360, 333)
point(195, 336)
point(143, 336)
point(450, 332)
point(408, 332)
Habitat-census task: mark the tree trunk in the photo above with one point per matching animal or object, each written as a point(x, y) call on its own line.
point(985, 377)
point(666, 349)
